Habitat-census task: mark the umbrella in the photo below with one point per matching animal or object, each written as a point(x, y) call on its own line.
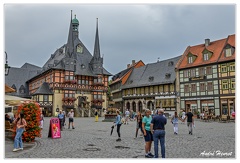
point(112, 129)
point(14, 100)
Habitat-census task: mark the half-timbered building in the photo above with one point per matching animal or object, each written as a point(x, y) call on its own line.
point(226, 76)
point(72, 78)
point(199, 71)
point(152, 86)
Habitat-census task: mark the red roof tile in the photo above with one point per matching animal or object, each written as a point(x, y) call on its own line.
point(230, 41)
point(216, 47)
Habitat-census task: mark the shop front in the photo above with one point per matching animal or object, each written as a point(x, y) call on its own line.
point(191, 104)
point(227, 106)
point(209, 105)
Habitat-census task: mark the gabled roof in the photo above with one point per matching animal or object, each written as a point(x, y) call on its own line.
point(119, 76)
point(44, 89)
point(162, 72)
point(216, 47)
point(230, 41)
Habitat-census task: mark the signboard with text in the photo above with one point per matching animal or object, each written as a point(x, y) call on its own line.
point(54, 128)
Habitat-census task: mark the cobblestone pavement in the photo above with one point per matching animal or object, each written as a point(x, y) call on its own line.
point(92, 139)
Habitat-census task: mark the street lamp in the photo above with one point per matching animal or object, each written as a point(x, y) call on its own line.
point(6, 66)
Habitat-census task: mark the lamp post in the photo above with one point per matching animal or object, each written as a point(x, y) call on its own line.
point(6, 66)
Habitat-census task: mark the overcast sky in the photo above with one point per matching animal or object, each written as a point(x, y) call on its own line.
point(127, 32)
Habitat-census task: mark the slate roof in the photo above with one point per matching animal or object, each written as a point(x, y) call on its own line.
point(118, 77)
point(19, 76)
point(153, 74)
point(68, 53)
point(44, 89)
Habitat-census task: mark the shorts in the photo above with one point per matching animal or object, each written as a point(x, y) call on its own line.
point(149, 136)
point(70, 120)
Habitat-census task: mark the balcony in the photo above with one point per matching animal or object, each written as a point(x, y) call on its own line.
point(98, 84)
point(70, 81)
point(97, 100)
point(69, 99)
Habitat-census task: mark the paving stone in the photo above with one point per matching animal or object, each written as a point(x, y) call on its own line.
point(209, 140)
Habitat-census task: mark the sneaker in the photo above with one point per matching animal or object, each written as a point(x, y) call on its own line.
point(21, 149)
point(191, 133)
point(118, 139)
point(73, 128)
point(14, 150)
point(150, 154)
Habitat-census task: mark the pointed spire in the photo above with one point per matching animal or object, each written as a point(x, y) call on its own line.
point(70, 38)
point(96, 53)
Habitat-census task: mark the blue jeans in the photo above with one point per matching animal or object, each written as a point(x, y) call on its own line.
point(18, 138)
point(159, 134)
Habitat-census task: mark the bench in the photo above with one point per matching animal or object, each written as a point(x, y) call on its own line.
point(9, 128)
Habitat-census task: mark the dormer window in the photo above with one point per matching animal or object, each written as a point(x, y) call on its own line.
point(167, 75)
point(228, 52)
point(22, 89)
point(170, 63)
point(151, 78)
point(79, 48)
point(83, 66)
point(205, 57)
point(14, 87)
point(190, 59)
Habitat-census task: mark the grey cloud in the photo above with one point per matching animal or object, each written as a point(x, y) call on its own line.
point(127, 32)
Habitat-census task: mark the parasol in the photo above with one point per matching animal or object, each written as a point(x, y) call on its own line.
point(14, 100)
point(112, 129)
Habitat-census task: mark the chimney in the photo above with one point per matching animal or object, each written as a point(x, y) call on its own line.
point(128, 65)
point(207, 42)
point(133, 62)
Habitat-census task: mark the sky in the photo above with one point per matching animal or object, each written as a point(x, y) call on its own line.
point(147, 32)
point(128, 30)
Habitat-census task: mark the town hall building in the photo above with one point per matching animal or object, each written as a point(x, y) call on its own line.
point(72, 78)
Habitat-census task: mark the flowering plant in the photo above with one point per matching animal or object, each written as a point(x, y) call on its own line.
point(32, 115)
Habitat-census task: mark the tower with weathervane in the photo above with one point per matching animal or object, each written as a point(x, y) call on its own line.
point(76, 78)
